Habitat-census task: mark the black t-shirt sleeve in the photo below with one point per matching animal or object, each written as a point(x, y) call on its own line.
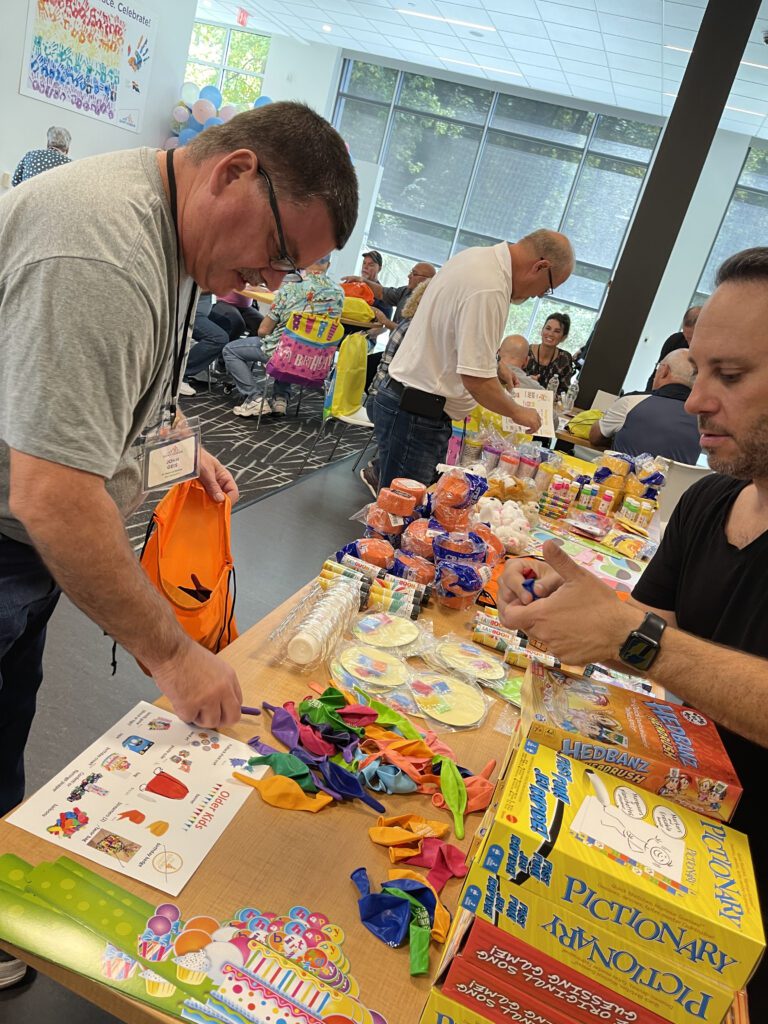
point(657, 587)
point(673, 342)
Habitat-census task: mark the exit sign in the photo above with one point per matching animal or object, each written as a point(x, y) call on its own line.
point(242, 17)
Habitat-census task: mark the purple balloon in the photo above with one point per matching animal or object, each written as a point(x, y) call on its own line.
point(169, 910)
point(159, 925)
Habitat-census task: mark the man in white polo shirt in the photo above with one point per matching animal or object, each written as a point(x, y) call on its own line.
point(447, 362)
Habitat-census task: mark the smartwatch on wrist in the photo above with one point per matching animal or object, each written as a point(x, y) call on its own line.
point(642, 645)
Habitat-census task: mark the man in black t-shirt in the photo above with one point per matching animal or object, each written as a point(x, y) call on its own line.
point(707, 582)
point(680, 339)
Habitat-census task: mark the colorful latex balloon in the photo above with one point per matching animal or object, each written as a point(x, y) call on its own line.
point(212, 121)
point(212, 94)
point(194, 125)
point(189, 92)
point(202, 110)
point(186, 135)
point(262, 101)
point(171, 142)
point(227, 112)
point(180, 113)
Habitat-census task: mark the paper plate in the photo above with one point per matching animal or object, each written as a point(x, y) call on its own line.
point(384, 630)
point(468, 658)
point(373, 667)
point(448, 699)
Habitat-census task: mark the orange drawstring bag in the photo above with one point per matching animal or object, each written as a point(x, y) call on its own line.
point(188, 556)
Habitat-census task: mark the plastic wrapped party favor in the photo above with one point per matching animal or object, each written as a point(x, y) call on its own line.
point(450, 518)
point(612, 463)
point(389, 632)
point(589, 524)
point(449, 699)
point(457, 655)
point(405, 485)
point(395, 502)
point(309, 637)
point(459, 488)
point(465, 547)
point(458, 584)
point(371, 668)
point(413, 567)
point(370, 549)
point(495, 551)
point(383, 522)
point(417, 539)
point(530, 458)
point(509, 460)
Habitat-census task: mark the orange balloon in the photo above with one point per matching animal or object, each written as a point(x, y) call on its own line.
point(191, 941)
point(203, 924)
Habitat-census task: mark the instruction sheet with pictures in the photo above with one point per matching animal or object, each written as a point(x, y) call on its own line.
point(148, 799)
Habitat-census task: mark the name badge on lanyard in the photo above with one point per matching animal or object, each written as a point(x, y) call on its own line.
point(171, 450)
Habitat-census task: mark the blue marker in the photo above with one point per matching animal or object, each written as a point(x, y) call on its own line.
point(529, 585)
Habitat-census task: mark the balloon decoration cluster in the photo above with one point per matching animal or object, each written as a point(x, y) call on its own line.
point(199, 109)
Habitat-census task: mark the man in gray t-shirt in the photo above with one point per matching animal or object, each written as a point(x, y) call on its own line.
point(97, 271)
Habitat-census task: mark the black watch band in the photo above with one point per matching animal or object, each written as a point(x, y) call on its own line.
point(641, 647)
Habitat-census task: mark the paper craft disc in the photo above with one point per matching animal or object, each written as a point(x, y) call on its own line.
point(470, 659)
point(370, 665)
point(448, 699)
point(384, 630)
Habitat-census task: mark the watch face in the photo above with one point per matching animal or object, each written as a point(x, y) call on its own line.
point(638, 651)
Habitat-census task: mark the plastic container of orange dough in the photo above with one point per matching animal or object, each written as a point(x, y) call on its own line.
point(381, 521)
point(370, 549)
point(459, 584)
point(413, 567)
point(417, 539)
point(395, 502)
point(453, 519)
point(463, 547)
point(460, 489)
point(495, 547)
point(413, 487)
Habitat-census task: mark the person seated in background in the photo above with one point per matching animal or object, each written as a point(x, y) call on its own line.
point(511, 358)
point(238, 315)
point(373, 262)
point(317, 294)
point(37, 160)
point(696, 620)
point(547, 359)
point(209, 340)
point(370, 474)
point(679, 340)
point(655, 423)
point(396, 297)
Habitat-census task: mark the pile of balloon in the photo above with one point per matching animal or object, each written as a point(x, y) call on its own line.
point(201, 108)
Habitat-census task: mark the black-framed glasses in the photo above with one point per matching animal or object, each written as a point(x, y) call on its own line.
point(284, 262)
point(551, 289)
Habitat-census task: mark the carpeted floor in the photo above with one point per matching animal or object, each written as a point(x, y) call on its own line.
point(264, 460)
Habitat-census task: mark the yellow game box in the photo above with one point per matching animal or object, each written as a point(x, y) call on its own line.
point(652, 875)
point(666, 748)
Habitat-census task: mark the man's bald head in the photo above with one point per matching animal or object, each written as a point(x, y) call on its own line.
point(514, 350)
point(541, 261)
point(674, 368)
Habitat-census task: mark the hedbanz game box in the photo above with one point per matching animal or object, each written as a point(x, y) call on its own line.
point(668, 749)
point(639, 894)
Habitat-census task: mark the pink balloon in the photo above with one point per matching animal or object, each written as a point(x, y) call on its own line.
point(202, 110)
point(171, 142)
point(227, 112)
point(181, 113)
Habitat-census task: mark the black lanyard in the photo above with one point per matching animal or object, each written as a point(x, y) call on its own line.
point(179, 344)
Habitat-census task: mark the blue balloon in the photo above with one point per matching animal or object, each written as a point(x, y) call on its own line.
point(262, 101)
point(194, 125)
point(186, 135)
point(210, 92)
point(212, 121)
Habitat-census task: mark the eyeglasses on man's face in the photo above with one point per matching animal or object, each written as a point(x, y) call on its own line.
point(283, 263)
point(551, 289)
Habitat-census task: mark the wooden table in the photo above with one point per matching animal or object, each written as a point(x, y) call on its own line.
point(275, 859)
point(582, 442)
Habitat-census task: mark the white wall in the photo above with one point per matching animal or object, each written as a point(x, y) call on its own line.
point(304, 73)
point(26, 120)
point(698, 232)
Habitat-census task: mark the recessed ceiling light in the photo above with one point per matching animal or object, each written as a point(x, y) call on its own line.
point(448, 21)
point(327, 28)
point(746, 63)
point(482, 67)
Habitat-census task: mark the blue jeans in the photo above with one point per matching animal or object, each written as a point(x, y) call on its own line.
point(409, 445)
point(28, 595)
point(239, 357)
point(210, 340)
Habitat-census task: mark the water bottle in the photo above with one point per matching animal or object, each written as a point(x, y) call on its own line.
point(554, 384)
point(570, 396)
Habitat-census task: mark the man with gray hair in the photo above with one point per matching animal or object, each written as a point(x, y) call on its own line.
point(38, 160)
point(511, 358)
point(655, 423)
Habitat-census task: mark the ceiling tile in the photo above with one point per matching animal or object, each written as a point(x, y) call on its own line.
point(521, 26)
point(752, 90)
point(586, 54)
point(622, 77)
point(579, 67)
point(595, 95)
point(546, 85)
point(528, 44)
point(632, 28)
point(632, 47)
point(513, 8)
point(462, 12)
point(564, 15)
point(683, 37)
point(682, 16)
point(638, 92)
point(649, 10)
point(575, 36)
point(587, 5)
point(586, 82)
point(550, 74)
point(374, 13)
point(488, 50)
point(626, 63)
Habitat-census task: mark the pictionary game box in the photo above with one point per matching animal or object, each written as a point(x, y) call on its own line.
point(668, 749)
point(633, 889)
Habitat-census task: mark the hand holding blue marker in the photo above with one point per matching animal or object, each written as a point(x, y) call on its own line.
point(529, 583)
